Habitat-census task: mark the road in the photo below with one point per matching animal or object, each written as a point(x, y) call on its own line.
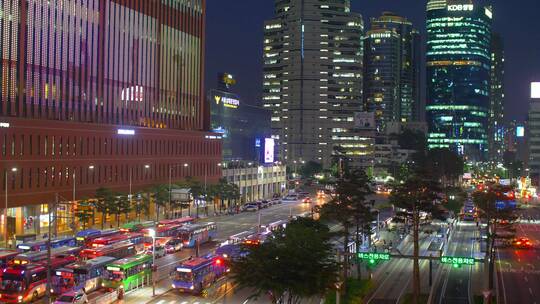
point(519, 269)
point(393, 279)
point(455, 284)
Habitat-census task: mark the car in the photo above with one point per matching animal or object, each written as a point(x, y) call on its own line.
point(522, 242)
point(159, 252)
point(265, 204)
point(304, 193)
point(307, 200)
point(72, 297)
point(250, 207)
point(173, 245)
point(290, 198)
point(321, 194)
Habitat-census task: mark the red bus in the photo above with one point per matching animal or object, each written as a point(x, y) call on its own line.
point(27, 283)
point(117, 250)
point(134, 237)
point(181, 221)
point(7, 256)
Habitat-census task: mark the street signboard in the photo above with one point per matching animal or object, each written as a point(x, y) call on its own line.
point(373, 257)
point(457, 261)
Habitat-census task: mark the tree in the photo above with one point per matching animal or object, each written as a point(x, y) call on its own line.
point(418, 193)
point(141, 204)
point(445, 165)
point(309, 169)
point(486, 202)
point(348, 206)
point(84, 213)
point(104, 199)
point(160, 194)
point(120, 205)
point(294, 263)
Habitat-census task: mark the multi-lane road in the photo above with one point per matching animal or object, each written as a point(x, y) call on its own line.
point(519, 269)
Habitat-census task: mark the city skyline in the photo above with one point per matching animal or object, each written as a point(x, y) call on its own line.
point(230, 52)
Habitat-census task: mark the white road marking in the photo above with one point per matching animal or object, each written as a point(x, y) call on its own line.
point(530, 291)
point(161, 302)
point(526, 280)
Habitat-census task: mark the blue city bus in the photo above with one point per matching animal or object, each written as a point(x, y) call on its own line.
point(196, 274)
point(84, 237)
point(85, 275)
point(231, 252)
point(42, 245)
point(201, 233)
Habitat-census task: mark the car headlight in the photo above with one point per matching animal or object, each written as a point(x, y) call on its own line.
point(173, 286)
point(20, 298)
point(192, 287)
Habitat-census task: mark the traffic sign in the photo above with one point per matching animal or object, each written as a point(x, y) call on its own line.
point(457, 261)
point(373, 257)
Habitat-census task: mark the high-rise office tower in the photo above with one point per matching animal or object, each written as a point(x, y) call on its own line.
point(99, 94)
point(496, 107)
point(313, 78)
point(533, 133)
point(392, 70)
point(458, 76)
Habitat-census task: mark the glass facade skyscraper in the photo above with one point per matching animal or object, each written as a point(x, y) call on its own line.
point(497, 96)
point(392, 63)
point(458, 76)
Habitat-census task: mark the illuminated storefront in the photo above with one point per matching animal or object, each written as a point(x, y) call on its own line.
point(458, 77)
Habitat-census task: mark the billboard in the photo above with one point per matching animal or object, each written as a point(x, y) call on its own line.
point(269, 150)
point(364, 120)
point(226, 101)
point(520, 131)
point(535, 90)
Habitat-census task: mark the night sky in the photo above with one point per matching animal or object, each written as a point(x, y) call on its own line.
point(235, 35)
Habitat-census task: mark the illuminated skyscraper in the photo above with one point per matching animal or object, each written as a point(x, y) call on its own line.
point(391, 78)
point(496, 108)
point(458, 76)
point(104, 93)
point(312, 79)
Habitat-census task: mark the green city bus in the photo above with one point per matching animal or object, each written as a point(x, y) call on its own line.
point(129, 273)
point(137, 226)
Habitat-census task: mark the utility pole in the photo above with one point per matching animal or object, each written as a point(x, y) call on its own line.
point(51, 219)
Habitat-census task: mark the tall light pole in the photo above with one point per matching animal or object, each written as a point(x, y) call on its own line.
point(152, 233)
point(6, 201)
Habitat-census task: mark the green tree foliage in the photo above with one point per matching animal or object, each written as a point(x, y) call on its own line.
point(418, 193)
point(296, 262)
point(310, 169)
point(445, 165)
point(104, 199)
point(160, 195)
point(84, 213)
point(495, 218)
point(141, 204)
point(348, 206)
point(120, 205)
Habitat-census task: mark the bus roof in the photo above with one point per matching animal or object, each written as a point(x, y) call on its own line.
point(195, 263)
point(88, 232)
point(197, 226)
point(182, 220)
point(95, 262)
point(17, 270)
point(144, 224)
point(131, 261)
point(8, 253)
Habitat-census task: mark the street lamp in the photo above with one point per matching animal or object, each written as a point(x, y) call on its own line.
point(152, 233)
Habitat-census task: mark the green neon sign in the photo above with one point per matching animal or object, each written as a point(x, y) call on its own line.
point(373, 257)
point(457, 261)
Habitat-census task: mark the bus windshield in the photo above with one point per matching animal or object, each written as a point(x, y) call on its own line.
point(184, 276)
point(11, 283)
